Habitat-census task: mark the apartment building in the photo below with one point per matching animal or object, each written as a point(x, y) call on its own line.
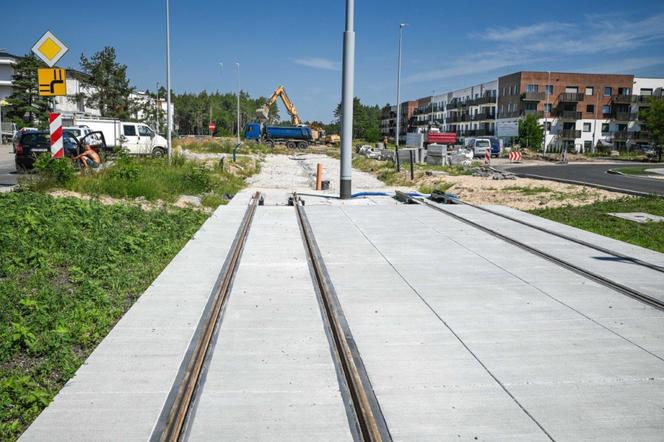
point(388, 122)
point(577, 111)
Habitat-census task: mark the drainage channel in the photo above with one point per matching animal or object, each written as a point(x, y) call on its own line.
point(365, 415)
point(640, 296)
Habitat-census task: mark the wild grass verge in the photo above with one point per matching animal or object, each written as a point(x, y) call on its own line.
point(595, 218)
point(69, 269)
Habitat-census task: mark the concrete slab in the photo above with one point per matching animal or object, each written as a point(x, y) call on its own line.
point(616, 269)
point(519, 330)
point(121, 388)
point(271, 376)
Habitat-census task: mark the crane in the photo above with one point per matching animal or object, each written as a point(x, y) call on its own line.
point(263, 112)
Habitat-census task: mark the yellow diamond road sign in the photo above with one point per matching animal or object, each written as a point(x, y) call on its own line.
point(52, 82)
point(49, 49)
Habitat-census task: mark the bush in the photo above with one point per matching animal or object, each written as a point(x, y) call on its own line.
point(60, 171)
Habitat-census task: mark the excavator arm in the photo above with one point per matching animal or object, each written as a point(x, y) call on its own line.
point(263, 112)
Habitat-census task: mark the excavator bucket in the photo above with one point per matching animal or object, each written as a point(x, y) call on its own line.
point(262, 113)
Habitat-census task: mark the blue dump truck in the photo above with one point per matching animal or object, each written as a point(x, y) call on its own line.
point(292, 136)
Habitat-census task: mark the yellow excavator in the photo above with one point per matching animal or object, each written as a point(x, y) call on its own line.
point(263, 113)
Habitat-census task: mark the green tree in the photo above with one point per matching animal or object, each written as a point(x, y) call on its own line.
point(26, 107)
point(531, 134)
point(653, 121)
point(366, 120)
point(109, 86)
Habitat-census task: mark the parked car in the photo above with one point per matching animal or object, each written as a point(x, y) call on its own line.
point(17, 136)
point(479, 146)
point(34, 143)
point(495, 146)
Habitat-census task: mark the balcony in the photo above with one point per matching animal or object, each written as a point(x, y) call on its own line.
point(485, 99)
point(569, 115)
point(479, 132)
point(570, 97)
point(623, 116)
point(570, 134)
point(484, 116)
point(623, 99)
point(533, 96)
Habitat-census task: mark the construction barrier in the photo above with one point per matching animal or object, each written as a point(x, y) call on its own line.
point(487, 156)
point(55, 126)
point(515, 157)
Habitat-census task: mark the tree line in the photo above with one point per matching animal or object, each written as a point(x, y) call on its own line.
point(108, 89)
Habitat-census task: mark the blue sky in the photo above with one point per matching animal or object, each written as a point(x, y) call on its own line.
point(298, 43)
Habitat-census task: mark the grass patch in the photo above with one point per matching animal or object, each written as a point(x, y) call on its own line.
point(154, 179)
point(528, 190)
point(594, 218)
point(636, 170)
point(455, 170)
point(69, 269)
point(215, 145)
point(441, 187)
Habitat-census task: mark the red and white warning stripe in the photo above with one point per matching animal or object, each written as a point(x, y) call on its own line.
point(487, 156)
point(515, 156)
point(55, 126)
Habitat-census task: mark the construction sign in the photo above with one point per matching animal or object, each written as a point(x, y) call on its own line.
point(49, 49)
point(52, 82)
point(55, 128)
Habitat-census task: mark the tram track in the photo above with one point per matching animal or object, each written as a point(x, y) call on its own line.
point(603, 280)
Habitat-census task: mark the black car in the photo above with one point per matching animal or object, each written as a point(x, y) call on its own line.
point(34, 143)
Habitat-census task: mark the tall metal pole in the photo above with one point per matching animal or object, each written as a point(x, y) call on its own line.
point(158, 109)
point(168, 80)
point(347, 96)
point(398, 135)
point(546, 111)
point(238, 102)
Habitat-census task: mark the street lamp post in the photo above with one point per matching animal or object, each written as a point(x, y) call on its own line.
point(158, 110)
point(396, 150)
point(347, 96)
point(168, 80)
point(238, 102)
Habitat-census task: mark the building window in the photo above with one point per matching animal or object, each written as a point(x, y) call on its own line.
point(547, 126)
point(606, 109)
point(587, 127)
point(548, 107)
point(587, 145)
point(532, 88)
point(624, 91)
point(572, 90)
point(605, 128)
point(548, 89)
point(590, 90)
point(608, 91)
point(646, 92)
point(590, 108)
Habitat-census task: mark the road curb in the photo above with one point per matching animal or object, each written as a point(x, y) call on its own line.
point(583, 183)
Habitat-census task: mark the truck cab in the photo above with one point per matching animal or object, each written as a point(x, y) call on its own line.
point(253, 131)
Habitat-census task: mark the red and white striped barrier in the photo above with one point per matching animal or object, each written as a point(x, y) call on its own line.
point(515, 157)
point(487, 156)
point(55, 126)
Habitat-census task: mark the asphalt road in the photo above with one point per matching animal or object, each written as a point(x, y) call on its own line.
point(8, 176)
point(594, 174)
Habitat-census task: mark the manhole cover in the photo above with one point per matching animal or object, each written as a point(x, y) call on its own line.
point(639, 217)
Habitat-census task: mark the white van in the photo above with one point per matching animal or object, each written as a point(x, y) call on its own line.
point(134, 138)
point(479, 146)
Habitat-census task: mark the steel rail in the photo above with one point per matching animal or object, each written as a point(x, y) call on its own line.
point(647, 299)
point(563, 236)
point(177, 417)
point(371, 427)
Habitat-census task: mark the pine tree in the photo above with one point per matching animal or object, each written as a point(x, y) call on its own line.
point(109, 86)
point(530, 132)
point(26, 107)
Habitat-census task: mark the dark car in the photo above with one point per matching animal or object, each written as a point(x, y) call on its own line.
point(32, 144)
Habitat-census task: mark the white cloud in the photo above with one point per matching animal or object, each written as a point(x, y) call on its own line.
point(523, 32)
point(318, 63)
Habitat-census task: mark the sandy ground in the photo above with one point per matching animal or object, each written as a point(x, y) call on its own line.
point(298, 173)
point(524, 193)
point(183, 202)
